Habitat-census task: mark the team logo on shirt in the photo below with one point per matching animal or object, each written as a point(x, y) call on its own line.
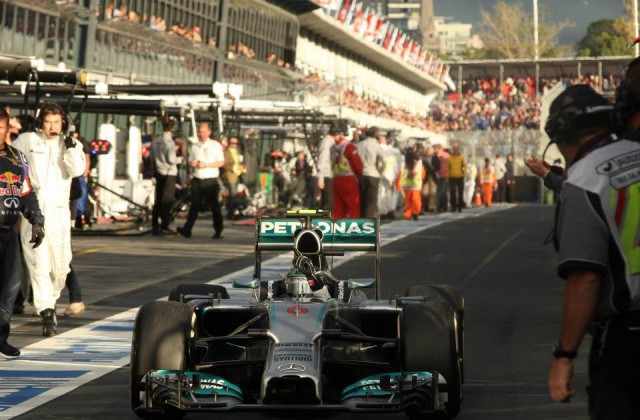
point(622, 170)
point(9, 179)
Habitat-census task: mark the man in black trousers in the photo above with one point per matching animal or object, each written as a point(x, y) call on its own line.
point(165, 160)
point(206, 157)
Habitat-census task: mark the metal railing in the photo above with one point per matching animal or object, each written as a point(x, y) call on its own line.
point(29, 28)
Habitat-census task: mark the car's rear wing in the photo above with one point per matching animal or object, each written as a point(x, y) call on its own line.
point(338, 236)
point(276, 234)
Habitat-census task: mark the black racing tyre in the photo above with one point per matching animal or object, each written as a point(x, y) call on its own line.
point(215, 290)
point(160, 337)
point(446, 292)
point(429, 334)
point(454, 299)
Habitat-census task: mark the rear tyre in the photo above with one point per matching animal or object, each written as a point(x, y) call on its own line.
point(217, 291)
point(454, 299)
point(429, 331)
point(160, 337)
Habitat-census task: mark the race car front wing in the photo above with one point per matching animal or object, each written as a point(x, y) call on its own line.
point(200, 392)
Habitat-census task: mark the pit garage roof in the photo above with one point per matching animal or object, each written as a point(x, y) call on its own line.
point(329, 28)
point(548, 67)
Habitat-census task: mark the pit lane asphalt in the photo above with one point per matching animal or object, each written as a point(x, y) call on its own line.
point(512, 318)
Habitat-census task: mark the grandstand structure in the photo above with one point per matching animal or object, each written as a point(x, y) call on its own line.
point(541, 69)
point(267, 46)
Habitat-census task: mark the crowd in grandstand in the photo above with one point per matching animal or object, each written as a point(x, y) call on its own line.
point(479, 104)
point(156, 23)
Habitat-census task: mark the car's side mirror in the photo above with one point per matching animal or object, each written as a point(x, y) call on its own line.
point(364, 283)
point(246, 284)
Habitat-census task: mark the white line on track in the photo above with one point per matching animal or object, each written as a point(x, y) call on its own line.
point(55, 366)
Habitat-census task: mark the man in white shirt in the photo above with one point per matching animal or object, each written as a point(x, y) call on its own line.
point(372, 157)
point(324, 175)
point(500, 167)
point(206, 157)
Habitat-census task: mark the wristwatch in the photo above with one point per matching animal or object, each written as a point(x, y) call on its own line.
point(560, 353)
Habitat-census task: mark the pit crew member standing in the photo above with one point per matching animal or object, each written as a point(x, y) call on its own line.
point(53, 160)
point(347, 167)
point(597, 240)
point(165, 160)
point(206, 158)
point(324, 194)
point(457, 167)
point(16, 197)
point(372, 157)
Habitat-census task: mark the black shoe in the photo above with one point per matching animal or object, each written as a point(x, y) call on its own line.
point(155, 232)
point(8, 351)
point(18, 309)
point(49, 322)
point(414, 217)
point(183, 232)
point(217, 235)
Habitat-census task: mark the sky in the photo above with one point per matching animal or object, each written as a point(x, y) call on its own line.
point(582, 12)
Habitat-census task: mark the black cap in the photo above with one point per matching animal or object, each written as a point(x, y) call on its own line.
point(576, 109)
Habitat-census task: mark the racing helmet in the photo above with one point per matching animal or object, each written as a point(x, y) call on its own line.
point(627, 100)
point(576, 110)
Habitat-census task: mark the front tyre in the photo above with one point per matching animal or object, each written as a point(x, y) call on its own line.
point(160, 337)
point(429, 335)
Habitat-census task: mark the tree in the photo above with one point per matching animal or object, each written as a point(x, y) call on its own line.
point(606, 37)
point(507, 30)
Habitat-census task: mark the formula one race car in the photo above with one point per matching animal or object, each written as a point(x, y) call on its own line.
point(306, 341)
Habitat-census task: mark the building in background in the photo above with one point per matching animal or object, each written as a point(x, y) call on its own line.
point(449, 37)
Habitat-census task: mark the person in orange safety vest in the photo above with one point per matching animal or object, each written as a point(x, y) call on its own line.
point(488, 182)
point(411, 185)
point(347, 167)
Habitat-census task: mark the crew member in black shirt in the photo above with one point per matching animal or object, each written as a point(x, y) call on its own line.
point(16, 198)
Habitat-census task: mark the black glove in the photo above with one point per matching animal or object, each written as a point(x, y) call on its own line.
point(37, 235)
point(69, 143)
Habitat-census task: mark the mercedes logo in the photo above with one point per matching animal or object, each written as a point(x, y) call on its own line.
point(291, 367)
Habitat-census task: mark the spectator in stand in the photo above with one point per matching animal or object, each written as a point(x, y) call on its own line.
point(487, 181)
point(431, 165)
point(373, 164)
point(443, 177)
point(165, 158)
point(509, 179)
point(347, 168)
point(207, 157)
point(411, 185)
point(457, 168)
point(500, 167)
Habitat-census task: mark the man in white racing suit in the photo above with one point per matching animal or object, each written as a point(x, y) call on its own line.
point(54, 159)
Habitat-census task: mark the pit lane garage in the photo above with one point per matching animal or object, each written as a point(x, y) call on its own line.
point(308, 341)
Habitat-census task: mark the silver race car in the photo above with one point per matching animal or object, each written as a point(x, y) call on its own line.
point(305, 341)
